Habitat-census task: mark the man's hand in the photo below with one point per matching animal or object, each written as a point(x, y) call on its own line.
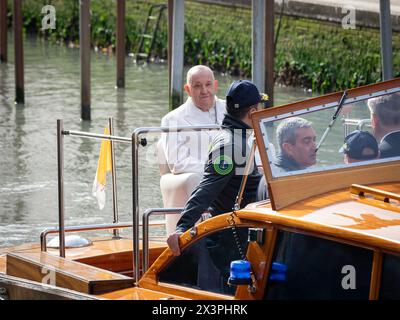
point(173, 243)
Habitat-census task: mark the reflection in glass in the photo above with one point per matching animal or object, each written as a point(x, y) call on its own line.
point(367, 131)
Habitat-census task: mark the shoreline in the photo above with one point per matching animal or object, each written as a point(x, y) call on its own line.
point(316, 55)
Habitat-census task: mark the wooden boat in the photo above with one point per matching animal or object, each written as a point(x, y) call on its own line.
point(328, 231)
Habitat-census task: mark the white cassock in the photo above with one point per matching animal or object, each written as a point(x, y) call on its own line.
point(188, 151)
point(182, 155)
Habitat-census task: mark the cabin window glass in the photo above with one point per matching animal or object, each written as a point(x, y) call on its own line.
point(205, 264)
point(318, 269)
point(390, 285)
point(291, 138)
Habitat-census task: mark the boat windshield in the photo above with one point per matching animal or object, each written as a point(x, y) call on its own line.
point(366, 131)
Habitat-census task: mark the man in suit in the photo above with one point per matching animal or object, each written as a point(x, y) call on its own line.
point(188, 151)
point(385, 121)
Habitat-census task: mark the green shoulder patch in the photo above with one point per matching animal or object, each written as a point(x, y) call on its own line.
point(223, 165)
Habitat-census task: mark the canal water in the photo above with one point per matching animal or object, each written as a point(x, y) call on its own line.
point(28, 162)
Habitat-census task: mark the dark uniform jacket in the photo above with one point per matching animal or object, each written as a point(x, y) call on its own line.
point(222, 175)
point(390, 145)
point(286, 163)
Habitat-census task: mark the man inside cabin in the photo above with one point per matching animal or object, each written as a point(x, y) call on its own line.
point(187, 151)
point(227, 159)
point(385, 121)
point(296, 138)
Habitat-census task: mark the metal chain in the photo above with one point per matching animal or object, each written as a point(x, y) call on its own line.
point(236, 236)
point(252, 287)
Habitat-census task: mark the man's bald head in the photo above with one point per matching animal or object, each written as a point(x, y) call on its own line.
point(199, 69)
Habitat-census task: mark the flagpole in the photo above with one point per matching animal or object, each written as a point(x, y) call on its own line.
point(114, 177)
point(60, 161)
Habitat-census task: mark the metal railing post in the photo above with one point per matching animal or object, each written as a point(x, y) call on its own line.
point(135, 203)
point(135, 141)
point(60, 161)
point(145, 226)
point(135, 180)
point(114, 177)
point(60, 158)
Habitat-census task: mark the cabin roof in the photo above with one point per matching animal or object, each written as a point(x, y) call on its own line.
point(370, 222)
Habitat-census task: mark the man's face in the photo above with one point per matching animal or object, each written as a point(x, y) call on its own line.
point(202, 89)
point(303, 151)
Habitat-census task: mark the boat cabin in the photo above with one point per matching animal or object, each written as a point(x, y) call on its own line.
point(330, 228)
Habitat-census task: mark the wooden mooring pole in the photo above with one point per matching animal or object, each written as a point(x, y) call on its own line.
point(84, 45)
point(3, 31)
point(121, 43)
point(258, 44)
point(170, 21)
point(386, 39)
point(176, 93)
point(269, 52)
point(263, 47)
point(18, 53)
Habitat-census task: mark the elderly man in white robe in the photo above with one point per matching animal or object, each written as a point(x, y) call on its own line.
point(185, 153)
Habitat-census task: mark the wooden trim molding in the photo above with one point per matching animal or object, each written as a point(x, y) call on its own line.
point(150, 278)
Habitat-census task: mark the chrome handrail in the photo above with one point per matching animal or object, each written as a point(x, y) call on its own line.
point(60, 156)
point(95, 136)
point(145, 233)
point(94, 227)
point(359, 123)
point(46, 232)
point(135, 175)
point(135, 180)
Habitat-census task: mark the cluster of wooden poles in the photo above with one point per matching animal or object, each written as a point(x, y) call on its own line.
point(263, 48)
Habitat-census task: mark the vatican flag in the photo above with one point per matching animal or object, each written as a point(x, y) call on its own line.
point(104, 166)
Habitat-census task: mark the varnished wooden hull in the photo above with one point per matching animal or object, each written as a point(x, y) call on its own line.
point(13, 288)
point(324, 205)
point(85, 273)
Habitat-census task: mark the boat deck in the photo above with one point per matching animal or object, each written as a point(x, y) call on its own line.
point(340, 214)
point(105, 253)
point(138, 294)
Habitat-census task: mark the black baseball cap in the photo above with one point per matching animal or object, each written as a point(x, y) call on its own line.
point(243, 94)
point(360, 145)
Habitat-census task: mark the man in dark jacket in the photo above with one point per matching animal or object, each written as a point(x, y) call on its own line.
point(296, 139)
point(226, 163)
point(385, 121)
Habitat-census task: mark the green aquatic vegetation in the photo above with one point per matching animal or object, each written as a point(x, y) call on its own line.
point(316, 55)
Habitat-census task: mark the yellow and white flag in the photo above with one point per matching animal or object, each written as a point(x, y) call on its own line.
point(104, 166)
